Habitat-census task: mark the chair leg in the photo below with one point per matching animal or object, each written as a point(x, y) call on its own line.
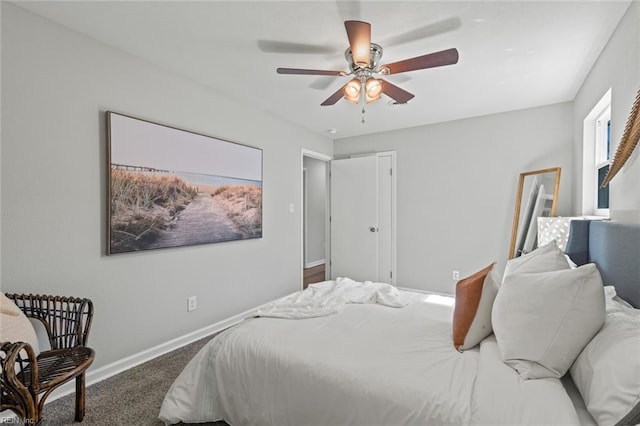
point(32, 414)
point(30, 417)
point(80, 395)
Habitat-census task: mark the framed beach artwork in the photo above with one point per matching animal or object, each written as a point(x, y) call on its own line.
point(169, 187)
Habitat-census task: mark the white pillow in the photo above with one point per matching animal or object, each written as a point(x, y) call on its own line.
point(613, 301)
point(543, 320)
point(554, 228)
point(607, 371)
point(15, 326)
point(7, 307)
point(571, 263)
point(543, 259)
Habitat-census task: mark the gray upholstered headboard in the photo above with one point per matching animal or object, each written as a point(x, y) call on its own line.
point(615, 249)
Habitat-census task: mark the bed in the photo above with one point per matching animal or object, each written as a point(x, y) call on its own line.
point(346, 353)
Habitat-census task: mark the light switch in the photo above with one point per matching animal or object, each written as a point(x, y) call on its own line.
point(291, 208)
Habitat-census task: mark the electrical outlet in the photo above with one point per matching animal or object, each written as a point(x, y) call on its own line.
point(455, 275)
point(191, 303)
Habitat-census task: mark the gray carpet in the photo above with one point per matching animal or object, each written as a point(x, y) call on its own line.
point(130, 398)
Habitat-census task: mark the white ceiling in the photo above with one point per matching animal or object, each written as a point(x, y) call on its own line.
point(513, 54)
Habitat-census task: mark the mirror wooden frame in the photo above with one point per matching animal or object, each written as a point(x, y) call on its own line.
point(516, 214)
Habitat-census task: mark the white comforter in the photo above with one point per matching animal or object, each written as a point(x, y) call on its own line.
point(330, 297)
point(366, 365)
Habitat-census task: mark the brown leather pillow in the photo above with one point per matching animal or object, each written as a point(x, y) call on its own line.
point(472, 313)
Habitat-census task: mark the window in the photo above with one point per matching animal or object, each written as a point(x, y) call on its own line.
point(596, 158)
point(602, 159)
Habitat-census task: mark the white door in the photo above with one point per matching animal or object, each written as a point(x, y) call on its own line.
point(362, 235)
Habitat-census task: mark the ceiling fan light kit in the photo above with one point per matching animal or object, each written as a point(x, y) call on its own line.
point(363, 58)
point(372, 90)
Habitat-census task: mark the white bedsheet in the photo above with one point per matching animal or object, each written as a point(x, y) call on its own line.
point(366, 365)
point(330, 297)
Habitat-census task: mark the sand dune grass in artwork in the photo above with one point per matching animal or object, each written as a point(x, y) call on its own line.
point(243, 204)
point(154, 210)
point(143, 205)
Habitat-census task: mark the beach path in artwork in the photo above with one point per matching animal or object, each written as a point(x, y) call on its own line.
point(202, 221)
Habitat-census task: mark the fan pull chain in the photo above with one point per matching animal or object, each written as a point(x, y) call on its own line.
point(363, 96)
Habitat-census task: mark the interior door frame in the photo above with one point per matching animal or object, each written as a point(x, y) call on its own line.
point(327, 160)
point(394, 230)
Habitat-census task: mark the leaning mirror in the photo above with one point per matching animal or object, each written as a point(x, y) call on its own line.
point(537, 196)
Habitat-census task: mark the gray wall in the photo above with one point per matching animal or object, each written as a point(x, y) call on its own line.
point(316, 193)
point(56, 85)
point(457, 183)
point(618, 68)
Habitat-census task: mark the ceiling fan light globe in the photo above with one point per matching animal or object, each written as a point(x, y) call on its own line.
point(373, 88)
point(370, 99)
point(352, 90)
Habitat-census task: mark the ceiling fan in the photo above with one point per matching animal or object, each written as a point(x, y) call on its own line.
point(363, 58)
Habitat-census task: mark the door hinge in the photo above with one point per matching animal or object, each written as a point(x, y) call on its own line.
point(390, 274)
point(391, 172)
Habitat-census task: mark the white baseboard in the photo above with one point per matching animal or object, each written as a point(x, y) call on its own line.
point(109, 370)
point(315, 263)
point(419, 290)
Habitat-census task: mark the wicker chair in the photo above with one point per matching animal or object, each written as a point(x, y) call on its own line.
point(28, 380)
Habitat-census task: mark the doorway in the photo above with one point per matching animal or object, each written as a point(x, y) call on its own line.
point(315, 217)
point(336, 248)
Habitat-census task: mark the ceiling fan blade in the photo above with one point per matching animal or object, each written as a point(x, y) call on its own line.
point(430, 30)
point(331, 100)
point(430, 60)
point(301, 71)
point(274, 46)
point(394, 92)
point(359, 34)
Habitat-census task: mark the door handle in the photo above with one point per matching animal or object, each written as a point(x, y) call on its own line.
point(373, 229)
